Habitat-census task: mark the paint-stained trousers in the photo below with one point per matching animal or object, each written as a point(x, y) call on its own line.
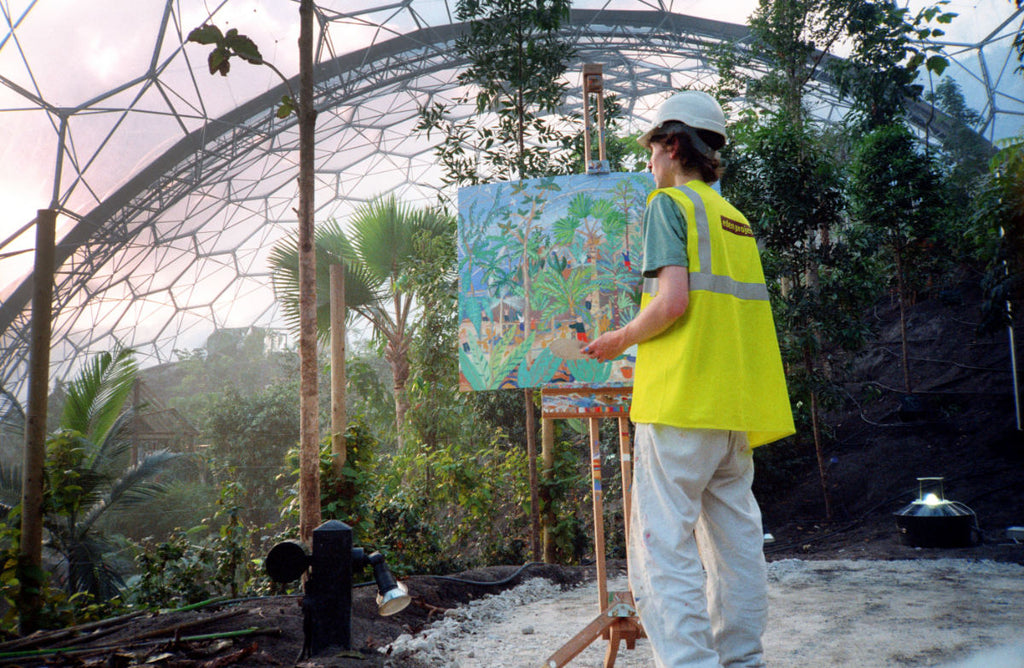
point(692, 505)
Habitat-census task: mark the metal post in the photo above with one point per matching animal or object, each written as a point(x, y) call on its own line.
point(1013, 346)
point(1013, 368)
point(329, 587)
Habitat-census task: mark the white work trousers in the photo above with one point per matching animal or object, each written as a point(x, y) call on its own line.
point(692, 504)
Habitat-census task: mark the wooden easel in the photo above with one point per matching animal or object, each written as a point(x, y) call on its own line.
point(617, 620)
point(593, 84)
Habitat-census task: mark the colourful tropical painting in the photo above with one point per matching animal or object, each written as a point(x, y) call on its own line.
point(567, 400)
point(546, 265)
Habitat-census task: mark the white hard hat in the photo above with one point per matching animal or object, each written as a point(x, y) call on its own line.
point(693, 108)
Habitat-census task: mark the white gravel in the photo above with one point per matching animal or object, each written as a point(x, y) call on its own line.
point(944, 612)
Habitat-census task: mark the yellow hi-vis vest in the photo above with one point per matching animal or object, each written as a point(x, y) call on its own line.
point(718, 366)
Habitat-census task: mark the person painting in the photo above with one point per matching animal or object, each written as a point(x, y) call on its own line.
point(709, 386)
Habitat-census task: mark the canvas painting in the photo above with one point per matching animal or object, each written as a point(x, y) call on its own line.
point(546, 265)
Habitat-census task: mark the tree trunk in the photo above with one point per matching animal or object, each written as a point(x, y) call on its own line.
point(816, 431)
point(901, 293)
point(397, 355)
point(309, 438)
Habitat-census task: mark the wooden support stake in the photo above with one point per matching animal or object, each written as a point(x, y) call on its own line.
point(547, 430)
point(593, 84)
point(339, 412)
point(531, 457)
point(595, 468)
point(30, 551)
point(626, 461)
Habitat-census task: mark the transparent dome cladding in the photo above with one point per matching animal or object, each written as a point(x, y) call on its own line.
point(172, 185)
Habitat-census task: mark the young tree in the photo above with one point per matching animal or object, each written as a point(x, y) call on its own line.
point(964, 155)
point(89, 474)
point(790, 187)
point(999, 220)
point(897, 203)
point(231, 44)
point(889, 48)
point(517, 60)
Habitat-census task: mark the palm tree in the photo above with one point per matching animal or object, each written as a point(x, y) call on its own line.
point(375, 254)
point(89, 472)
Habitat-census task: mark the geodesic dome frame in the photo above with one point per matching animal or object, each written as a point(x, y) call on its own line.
point(159, 258)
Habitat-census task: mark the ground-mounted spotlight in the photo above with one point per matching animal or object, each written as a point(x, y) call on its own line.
point(933, 521)
point(392, 596)
point(327, 604)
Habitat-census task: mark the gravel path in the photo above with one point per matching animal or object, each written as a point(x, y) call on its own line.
point(942, 612)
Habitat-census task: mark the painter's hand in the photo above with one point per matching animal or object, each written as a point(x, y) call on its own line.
point(606, 347)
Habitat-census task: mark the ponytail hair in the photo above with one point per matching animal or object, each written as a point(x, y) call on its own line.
point(677, 141)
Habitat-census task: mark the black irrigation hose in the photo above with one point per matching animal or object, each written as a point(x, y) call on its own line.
point(485, 583)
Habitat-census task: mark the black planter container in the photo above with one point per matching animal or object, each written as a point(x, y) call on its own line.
point(936, 530)
point(931, 521)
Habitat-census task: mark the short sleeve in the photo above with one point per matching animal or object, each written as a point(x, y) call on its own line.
point(664, 236)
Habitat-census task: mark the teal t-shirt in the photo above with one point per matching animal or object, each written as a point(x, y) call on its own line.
point(664, 236)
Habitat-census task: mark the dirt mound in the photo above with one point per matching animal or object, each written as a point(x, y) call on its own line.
point(958, 423)
point(267, 631)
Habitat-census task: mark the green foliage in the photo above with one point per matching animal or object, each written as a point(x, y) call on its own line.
point(517, 59)
point(196, 565)
point(964, 154)
point(568, 492)
point(57, 608)
point(437, 408)
point(456, 506)
point(998, 223)
point(889, 48)
point(231, 43)
point(346, 497)
point(249, 436)
point(793, 37)
point(897, 205)
point(369, 393)
point(89, 476)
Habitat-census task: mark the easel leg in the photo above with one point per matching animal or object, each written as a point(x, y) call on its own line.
point(617, 621)
point(612, 652)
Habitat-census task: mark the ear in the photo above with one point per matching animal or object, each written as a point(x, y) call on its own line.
point(674, 145)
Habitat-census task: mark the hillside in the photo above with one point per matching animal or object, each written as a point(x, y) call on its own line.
point(960, 424)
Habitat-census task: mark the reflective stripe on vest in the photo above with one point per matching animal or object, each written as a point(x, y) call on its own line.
point(704, 278)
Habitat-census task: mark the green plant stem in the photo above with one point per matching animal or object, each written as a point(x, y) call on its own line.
point(254, 630)
point(202, 604)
